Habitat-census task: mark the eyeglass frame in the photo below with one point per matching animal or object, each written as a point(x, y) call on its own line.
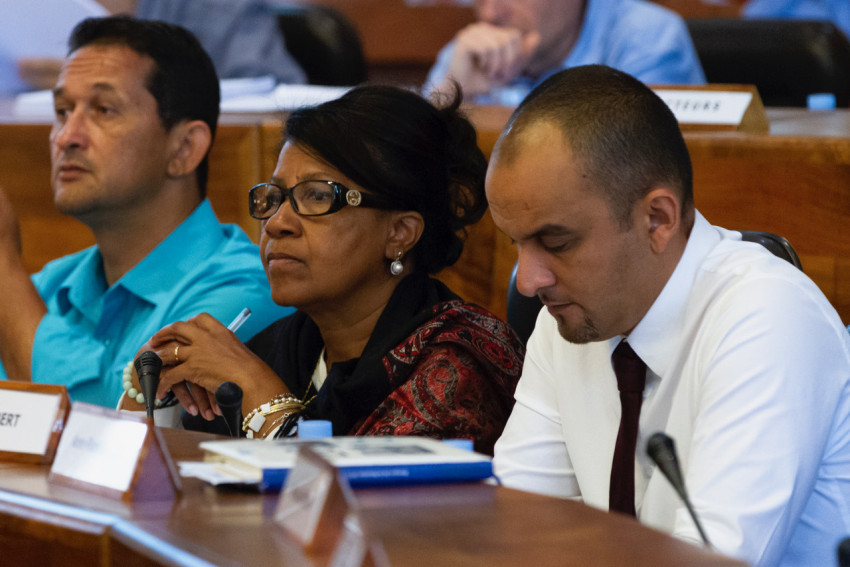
point(342, 197)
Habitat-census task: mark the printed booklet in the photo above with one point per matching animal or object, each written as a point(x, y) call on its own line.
point(364, 461)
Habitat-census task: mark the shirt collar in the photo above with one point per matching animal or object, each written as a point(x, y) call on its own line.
point(85, 285)
point(660, 334)
point(180, 252)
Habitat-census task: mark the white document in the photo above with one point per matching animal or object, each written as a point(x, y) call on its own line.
point(706, 107)
point(283, 97)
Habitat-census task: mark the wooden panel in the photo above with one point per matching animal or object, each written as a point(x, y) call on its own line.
point(235, 167)
point(798, 187)
point(25, 167)
point(46, 234)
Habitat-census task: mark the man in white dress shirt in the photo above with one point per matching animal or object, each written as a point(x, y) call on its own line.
point(748, 365)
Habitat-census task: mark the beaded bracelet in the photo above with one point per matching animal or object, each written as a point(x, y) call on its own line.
point(131, 391)
point(254, 421)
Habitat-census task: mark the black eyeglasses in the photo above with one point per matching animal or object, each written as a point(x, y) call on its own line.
point(310, 198)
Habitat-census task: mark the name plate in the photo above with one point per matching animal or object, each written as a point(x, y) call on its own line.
point(317, 509)
point(115, 454)
point(716, 107)
point(32, 417)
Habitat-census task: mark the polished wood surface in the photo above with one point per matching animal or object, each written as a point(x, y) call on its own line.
point(473, 524)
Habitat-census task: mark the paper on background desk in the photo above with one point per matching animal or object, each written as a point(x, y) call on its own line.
point(282, 97)
point(238, 95)
point(219, 473)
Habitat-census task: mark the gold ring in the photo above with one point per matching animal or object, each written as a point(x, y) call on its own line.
point(176, 358)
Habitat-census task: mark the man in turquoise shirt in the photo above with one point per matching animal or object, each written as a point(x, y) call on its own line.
point(136, 111)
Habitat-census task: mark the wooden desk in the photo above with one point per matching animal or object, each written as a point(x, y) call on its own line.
point(470, 525)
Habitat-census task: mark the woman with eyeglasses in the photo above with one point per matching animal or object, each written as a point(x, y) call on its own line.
point(368, 198)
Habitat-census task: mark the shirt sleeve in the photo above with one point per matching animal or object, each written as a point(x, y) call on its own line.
point(771, 404)
point(242, 37)
point(668, 58)
point(532, 454)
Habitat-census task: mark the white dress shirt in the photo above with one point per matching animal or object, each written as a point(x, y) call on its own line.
point(749, 368)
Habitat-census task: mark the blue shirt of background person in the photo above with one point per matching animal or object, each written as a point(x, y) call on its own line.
point(516, 44)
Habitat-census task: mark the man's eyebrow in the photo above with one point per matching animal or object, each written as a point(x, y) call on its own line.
point(549, 230)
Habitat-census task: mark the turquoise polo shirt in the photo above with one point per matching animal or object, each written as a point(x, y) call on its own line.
point(91, 330)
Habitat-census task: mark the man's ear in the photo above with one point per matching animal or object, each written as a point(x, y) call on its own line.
point(190, 142)
point(406, 229)
point(661, 210)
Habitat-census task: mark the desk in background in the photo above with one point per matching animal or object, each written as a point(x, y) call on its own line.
point(474, 524)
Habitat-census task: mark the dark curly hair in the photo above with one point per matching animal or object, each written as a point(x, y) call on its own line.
point(396, 144)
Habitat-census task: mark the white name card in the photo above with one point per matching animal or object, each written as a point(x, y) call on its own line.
point(113, 453)
point(707, 107)
point(716, 107)
point(32, 417)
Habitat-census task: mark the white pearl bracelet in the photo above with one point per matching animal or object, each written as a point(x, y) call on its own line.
point(130, 390)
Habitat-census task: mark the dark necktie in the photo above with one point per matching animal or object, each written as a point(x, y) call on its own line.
point(631, 378)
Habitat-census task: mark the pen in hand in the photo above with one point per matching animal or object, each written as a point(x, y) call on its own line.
point(237, 322)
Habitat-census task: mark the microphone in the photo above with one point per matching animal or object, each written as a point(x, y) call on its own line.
point(662, 451)
point(228, 396)
point(148, 366)
point(844, 553)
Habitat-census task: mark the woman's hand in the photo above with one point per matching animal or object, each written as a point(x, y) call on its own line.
point(201, 353)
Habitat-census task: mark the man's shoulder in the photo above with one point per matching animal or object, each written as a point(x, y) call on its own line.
point(646, 12)
point(742, 281)
point(636, 21)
